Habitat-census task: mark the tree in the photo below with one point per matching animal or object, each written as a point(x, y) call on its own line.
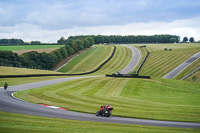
point(191, 39)
point(173, 40)
point(63, 52)
point(91, 40)
point(35, 42)
point(69, 49)
point(61, 41)
point(185, 39)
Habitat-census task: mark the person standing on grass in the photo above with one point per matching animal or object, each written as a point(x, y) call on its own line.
point(5, 86)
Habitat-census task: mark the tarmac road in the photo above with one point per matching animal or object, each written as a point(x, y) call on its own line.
point(182, 66)
point(134, 61)
point(14, 105)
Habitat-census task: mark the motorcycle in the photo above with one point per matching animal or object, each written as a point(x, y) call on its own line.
point(104, 111)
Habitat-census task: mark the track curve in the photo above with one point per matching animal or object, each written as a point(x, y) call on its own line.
point(134, 61)
point(14, 105)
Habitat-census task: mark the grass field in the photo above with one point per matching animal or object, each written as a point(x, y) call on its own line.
point(28, 47)
point(23, 71)
point(156, 98)
point(194, 78)
point(161, 62)
point(161, 99)
point(93, 58)
point(90, 60)
point(188, 70)
point(120, 60)
point(17, 123)
point(19, 81)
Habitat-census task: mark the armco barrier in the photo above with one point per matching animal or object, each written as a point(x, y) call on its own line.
point(127, 76)
point(40, 75)
point(142, 62)
point(191, 73)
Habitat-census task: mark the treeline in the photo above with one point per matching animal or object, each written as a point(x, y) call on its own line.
point(131, 38)
point(11, 42)
point(45, 61)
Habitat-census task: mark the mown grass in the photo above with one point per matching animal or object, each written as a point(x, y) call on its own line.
point(160, 62)
point(161, 99)
point(189, 69)
point(18, 123)
point(93, 58)
point(25, 80)
point(120, 60)
point(23, 71)
point(89, 60)
point(28, 47)
point(194, 78)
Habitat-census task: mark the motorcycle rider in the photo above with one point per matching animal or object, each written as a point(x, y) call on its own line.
point(104, 108)
point(5, 85)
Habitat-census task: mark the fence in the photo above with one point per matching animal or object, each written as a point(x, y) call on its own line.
point(142, 63)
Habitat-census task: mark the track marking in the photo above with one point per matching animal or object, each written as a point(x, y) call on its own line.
point(12, 94)
point(53, 107)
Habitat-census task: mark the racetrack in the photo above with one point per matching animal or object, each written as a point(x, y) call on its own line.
point(182, 66)
point(8, 103)
point(134, 61)
point(13, 105)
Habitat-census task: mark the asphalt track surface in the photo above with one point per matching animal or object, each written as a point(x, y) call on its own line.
point(134, 61)
point(182, 66)
point(15, 105)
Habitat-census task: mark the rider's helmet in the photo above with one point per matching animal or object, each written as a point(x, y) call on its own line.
point(108, 105)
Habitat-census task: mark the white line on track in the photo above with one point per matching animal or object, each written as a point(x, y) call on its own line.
point(12, 94)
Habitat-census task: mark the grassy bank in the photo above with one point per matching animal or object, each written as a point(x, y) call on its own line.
point(89, 61)
point(194, 78)
point(160, 62)
point(23, 71)
point(188, 70)
point(93, 58)
point(25, 80)
point(17, 123)
point(120, 60)
point(160, 99)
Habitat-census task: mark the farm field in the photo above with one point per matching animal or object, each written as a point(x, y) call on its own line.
point(27, 48)
point(160, 99)
point(160, 62)
point(10, 122)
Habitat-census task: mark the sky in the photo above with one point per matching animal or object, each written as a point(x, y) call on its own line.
point(49, 20)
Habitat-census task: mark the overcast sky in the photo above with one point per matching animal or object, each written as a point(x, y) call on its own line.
point(48, 20)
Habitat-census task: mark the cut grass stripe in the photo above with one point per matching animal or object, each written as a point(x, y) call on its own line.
point(89, 60)
point(161, 99)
